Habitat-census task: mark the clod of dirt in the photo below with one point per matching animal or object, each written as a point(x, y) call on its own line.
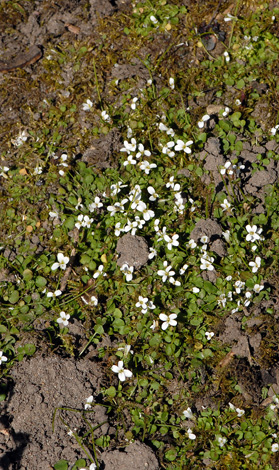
point(41, 385)
point(136, 456)
point(207, 227)
point(100, 153)
point(133, 250)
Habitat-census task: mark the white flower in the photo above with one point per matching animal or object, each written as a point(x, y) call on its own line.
point(222, 300)
point(209, 335)
point(191, 244)
point(2, 358)
point(127, 271)
point(95, 205)
point(89, 402)
point(116, 188)
point(239, 286)
point(142, 303)
point(171, 83)
point(229, 17)
point(188, 413)
point(180, 145)
point(127, 349)
point(54, 294)
point(183, 269)
point(165, 273)
point(98, 272)
point(253, 233)
point(153, 195)
point(225, 169)
point(237, 102)
point(152, 253)
point(195, 290)
point(226, 112)
point(146, 166)
point(147, 213)
point(142, 152)
point(122, 373)
point(274, 448)
point(248, 295)
point(226, 235)
point(105, 116)
point(255, 264)
point(63, 319)
point(53, 215)
point(274, 129)
point(206, 263)
point(129, 147)
point(225, 205)
point(134, 101)
point(153, 19)
point(168, 320)
point(204, 239)
point(167, 149)
point(203, 120)
point(171, 241)
point(227, 57)
point(87, 105)
point(221, 441)
point(172, 185)
point(62, 262)
point(38, 170)
point(191, 435)
point(22, 137)
point(3, 171)
point(257, 288)
point(130, 161)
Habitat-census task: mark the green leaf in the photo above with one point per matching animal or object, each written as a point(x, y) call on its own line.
point(61, 465)
point(171, 455)
point(27, 274)
point(41, 281)
point(80, 463)
point(111, 392)
point(13, 299)
point(29, 349)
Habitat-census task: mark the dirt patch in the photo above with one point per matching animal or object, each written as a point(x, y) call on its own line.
point(42, 384)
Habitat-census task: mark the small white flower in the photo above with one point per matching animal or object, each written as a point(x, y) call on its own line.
point(274, 448)
point(134, 103)
point(229, 17)
point(237, 102)
point(122, 373)
point(89, 402)
point(253, 233)
point(203, 120)
point(227, 57)
point(225, 205)
point(98, 272)
point(96, 204)
point(152, 253)
point(192, 244)
point(130, 161)
point(206, 263)
point(209, 335)
point(116, 188)
point(168, 320)
point(146, 166)
point(127, 350)
point(142, 303)
point(188, 413)
point(255, 264)
point(129, 146)
point(257, 288)
point(225, 169)
point(274, 129)
point(221, 441)
point(167, 149)
point(87, 105)
point(105, 116)
point(38, 170)
point(226, 112)
point(127, 271)
point(2, 358)
point(142, 151)
point(165, 273)
point(63, 319)
point(153, 195)
point(54, 294)
point(191, 435)
point(171, 241)
point(180, 145)
point(226, 235)
point(183, 269)
point(171, 83)
point(62, 262)
point(204, 239)
point(153, 19)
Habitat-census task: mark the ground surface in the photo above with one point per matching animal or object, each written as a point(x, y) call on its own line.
point(40, 384)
